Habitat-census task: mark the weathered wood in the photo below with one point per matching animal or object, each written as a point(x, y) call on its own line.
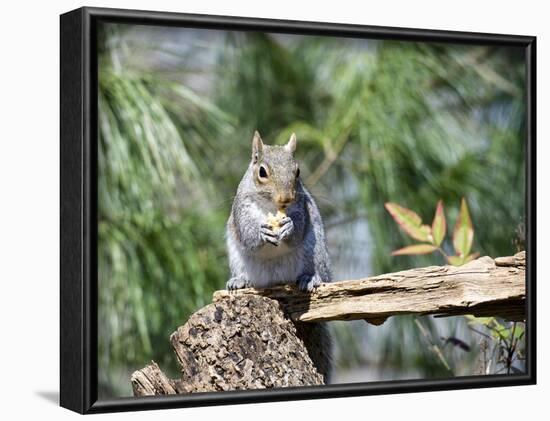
point(150, 381)
point(250, 339)
point(241, 343)
point(482, 287)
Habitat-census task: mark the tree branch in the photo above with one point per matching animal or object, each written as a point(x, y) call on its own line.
point(483, 287)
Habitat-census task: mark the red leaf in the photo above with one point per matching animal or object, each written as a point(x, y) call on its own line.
point(409, 222)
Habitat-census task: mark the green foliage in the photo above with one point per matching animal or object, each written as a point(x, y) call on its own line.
point(377, 122)
point(507, 343)
point(161, 248)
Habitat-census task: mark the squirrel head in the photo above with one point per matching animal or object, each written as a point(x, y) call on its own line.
point(275, 171)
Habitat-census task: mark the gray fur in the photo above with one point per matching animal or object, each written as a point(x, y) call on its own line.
point(297, 253)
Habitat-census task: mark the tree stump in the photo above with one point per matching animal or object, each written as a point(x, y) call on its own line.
point(240, 342)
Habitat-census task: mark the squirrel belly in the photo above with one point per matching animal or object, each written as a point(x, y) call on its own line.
point(266, 266)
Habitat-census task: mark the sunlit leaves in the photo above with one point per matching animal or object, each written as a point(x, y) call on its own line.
point(439, 225)
point(410, 222)
point(415, 249)
point(463, 234)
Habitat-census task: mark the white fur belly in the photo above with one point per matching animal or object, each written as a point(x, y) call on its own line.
point(270, 267)
point(269, 251)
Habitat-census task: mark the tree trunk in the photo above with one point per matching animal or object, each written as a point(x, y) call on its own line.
point(241, 342)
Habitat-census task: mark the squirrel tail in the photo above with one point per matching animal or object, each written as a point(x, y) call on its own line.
point(318, 342)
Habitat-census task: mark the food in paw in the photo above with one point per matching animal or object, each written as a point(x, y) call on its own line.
point(274, 221)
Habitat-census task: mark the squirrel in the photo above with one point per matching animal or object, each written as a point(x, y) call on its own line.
point(266, 250)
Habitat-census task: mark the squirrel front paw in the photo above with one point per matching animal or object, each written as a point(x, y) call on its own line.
point(237, 282)
point(286, 228)
point(268, 235)
point(308, 282)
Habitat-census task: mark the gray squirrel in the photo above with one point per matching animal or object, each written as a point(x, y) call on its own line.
point(262, 255)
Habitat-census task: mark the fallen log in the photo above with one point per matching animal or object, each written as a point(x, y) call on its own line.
point(250, 339)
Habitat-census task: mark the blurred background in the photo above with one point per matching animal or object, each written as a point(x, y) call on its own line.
point(376, 121)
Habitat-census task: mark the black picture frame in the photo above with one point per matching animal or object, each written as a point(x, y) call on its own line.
point(79, 79)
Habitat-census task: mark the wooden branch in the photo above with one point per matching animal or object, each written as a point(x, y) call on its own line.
point(483, 287)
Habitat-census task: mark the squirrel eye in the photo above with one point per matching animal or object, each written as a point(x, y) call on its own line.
point(298, 173)
point(262, 172)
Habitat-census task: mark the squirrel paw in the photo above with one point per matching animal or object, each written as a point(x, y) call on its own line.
point(286, 228)
point(236, 283)
point(308, 282)
point(268, 235)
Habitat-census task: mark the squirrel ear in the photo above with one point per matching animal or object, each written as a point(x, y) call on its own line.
point(291, 145)
point(257, 146)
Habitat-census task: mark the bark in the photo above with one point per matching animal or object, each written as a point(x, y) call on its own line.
point(250, 339)
point(244, 342)
point(152, 381)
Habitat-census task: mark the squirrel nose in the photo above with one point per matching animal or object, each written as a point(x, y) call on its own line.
point(285, 199)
